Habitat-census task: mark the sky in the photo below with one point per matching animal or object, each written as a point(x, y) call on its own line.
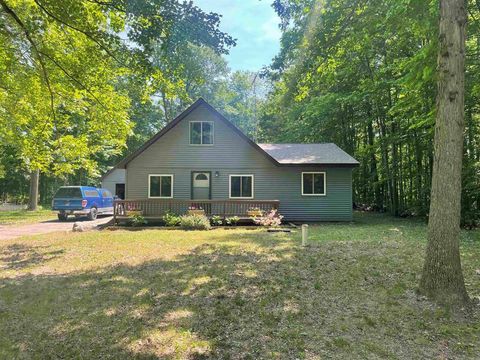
point(254, 24)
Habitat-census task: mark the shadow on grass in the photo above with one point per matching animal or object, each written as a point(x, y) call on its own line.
point(18, 256)
point(267, 299)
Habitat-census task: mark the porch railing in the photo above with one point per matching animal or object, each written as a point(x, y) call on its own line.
point(156, 208)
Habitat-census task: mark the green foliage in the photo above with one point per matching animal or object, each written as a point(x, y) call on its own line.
point(171, 219)
point(62, 106)
point(138, 220)
point(216, 220)
point(195, 222)
point(13, 186)
point(201, 72)
point(232, 220)
point(362, 75)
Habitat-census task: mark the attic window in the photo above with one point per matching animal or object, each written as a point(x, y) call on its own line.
point(201, 132)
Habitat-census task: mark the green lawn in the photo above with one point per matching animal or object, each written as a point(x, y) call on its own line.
point(25, 217)
point(239, 294)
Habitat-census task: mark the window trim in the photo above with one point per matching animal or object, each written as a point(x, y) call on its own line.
point(201, 132)
point(160, 197)
point(230, 186)
point(324, 182)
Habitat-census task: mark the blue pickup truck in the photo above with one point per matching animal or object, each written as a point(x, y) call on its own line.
point(82, 201)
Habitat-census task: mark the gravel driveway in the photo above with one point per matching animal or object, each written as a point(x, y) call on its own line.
point(43, 227)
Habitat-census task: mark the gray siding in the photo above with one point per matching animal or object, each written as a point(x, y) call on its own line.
point(230, 154)
point(117, 176)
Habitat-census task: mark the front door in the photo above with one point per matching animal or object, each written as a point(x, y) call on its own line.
point(201, 185)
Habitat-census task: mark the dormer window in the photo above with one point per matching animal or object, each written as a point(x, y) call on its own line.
point(201, 132)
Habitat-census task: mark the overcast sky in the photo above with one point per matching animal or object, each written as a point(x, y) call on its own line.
point(255, 26)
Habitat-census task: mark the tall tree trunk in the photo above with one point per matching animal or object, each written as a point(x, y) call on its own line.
point(395, 205)
point(442, 278)
point(378, 201)
point(33, 198)
point(385, 163)
point(420, 198)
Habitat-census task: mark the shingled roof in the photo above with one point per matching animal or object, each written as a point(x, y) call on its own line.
point(302, 154)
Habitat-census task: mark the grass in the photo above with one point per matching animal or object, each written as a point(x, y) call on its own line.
point(238, 294)
point(19, 217)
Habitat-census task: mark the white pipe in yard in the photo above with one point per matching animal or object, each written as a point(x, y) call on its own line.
point(304, 234)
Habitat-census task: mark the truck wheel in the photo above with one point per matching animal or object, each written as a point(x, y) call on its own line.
point(62, 216)
point(92, 215)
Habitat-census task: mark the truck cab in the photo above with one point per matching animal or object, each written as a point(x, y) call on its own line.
point(82, 201)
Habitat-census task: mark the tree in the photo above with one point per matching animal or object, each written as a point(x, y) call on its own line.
point(442, 277)
point(58, 98)
point(199, 71)
point(63, 64)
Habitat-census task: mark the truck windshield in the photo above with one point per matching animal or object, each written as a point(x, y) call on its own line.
point(68, 192)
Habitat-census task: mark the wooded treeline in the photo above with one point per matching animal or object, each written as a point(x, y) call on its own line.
point(362, 74)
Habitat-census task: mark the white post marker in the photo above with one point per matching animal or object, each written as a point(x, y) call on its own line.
point(304, 234)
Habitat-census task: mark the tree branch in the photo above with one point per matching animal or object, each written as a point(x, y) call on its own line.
point(71, 77)
point(107, 4)
point(29, 38)
point(75, 28)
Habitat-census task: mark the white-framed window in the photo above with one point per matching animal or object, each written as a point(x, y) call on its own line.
point(241, 186)
point(201, 132)
point(314, 183)
point(160, 186)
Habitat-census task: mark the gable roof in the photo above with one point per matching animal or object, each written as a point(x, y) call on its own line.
point(179, 118)
point(303, 154)
point(339, 157)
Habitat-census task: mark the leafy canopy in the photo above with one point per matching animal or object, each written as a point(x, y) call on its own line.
point(64, 69)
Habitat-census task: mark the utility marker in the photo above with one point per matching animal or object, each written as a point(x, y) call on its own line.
point(304, 234)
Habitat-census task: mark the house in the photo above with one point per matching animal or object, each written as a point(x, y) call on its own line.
point(201, 159)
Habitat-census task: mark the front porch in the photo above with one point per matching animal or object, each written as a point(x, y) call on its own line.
point(154, 209)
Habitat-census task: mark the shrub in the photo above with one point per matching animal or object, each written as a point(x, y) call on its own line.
point(171, 219)
point(195, 222)
point(138, 220)
point(273, 219)
point(216, 220)
point(232, 220)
